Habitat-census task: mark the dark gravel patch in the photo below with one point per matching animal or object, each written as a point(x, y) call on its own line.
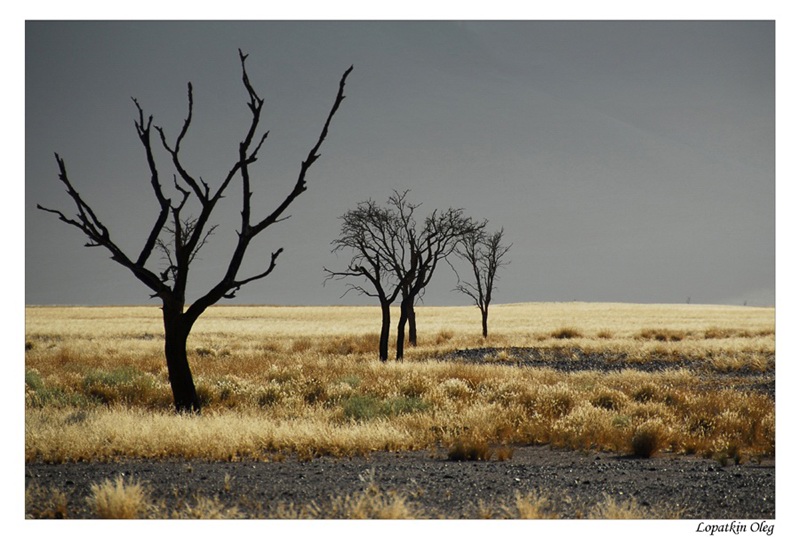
point(573, 481)
point(573, 360)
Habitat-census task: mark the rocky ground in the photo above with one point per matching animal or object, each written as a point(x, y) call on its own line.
point(692, 487)
point(574, 482)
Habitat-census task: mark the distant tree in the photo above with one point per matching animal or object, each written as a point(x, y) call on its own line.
point(370, 232)
point(397, 255)
point(485, 254)
point(179, 235)
point(424, 247)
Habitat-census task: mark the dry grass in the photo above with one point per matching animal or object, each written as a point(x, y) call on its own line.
point(121, 499)
point(307, 381)
point(118, 499)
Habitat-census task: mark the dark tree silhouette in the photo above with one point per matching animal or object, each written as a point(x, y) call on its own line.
point(484, 253)
point(424, 247)
point(179, 236)
point(397, 255)
point(371, 233)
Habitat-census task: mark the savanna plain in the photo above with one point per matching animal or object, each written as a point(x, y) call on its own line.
point(566, 410)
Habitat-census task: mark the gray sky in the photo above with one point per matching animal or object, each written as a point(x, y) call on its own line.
point(627, 161)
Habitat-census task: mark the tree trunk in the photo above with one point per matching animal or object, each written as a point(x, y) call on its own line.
point(386, 320)
point(485, 321)
point(401, 330)
point(412, 325)
point(176, 332)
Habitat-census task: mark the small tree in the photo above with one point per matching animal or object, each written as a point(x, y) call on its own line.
point(423, 249)
point(179, 236)
point(370, 232)
point(485, 254)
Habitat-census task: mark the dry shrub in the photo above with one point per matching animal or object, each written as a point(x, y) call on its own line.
point(646, 393)
point(269, 395)
point(373, 503)
point(455, 389)
point(314, 392)
point(608, 398)
point(469, 449)
point(227, 391)
point(648, 438)
point(611, 508)
point(555, 401)
point(586, 427)
point(415, 384)
point(566, 332)
point(118, 499)
point(532, 506)
point(205, 508)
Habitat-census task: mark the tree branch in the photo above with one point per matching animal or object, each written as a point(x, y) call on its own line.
point(313, 155)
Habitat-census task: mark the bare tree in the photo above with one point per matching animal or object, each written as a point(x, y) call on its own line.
point(179, 236)
point(397, 255)
point(370, 232)
point(425, 247)
point(484, 253)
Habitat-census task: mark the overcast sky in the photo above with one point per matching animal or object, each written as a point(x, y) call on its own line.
point(627, 161)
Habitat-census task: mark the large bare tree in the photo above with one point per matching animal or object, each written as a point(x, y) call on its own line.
point(485, 254)
point(179, 235)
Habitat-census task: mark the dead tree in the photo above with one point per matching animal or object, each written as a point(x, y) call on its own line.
point(484, 253)
point(179, 235)
point(397, 255)
point(423, 249)
point(369, 232)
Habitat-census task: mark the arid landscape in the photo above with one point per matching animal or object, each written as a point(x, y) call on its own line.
point(566, 410)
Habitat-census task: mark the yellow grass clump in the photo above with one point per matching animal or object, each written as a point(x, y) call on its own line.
point(118, 499)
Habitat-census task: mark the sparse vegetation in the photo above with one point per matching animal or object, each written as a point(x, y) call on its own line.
point(306, 382)
point(121, 499)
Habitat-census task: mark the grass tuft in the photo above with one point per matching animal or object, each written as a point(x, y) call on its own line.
point(648, 439)
point(469, 450)
point(566, 333)
point(118, 499)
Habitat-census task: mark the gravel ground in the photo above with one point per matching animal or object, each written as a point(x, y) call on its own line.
point(573, 481)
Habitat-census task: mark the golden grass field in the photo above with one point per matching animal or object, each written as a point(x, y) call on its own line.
point(306, 381)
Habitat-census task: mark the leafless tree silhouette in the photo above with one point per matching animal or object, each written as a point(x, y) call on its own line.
point(179, 236)
point(485, 254)
point(370, 232)
point(392, 249)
